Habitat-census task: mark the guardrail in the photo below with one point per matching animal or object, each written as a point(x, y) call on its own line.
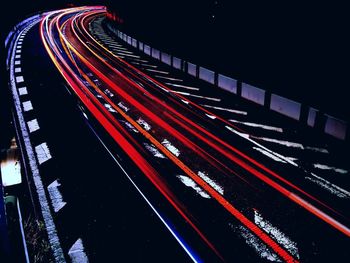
point(292, 109)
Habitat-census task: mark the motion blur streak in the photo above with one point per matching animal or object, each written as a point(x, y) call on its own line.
point(90, 69)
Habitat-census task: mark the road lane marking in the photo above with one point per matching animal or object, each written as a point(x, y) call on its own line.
point(18, 70)
point(181, 86)
point(27, 105)
point(77, 252)
point(19, 79)
point(154, 151)
point(168, 78)
point(281, 142)
point(56, 196)
point(43, 152)
point(17, 62)
point(225, 109)
point(326, 167)
point(23, 91)
point(211, 182)
point(192, 184)
point(171, 147)
point(33, 125)
point(257, 125)
point(157, 71)
point(195, 96)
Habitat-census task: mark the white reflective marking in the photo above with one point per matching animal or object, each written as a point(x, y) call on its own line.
point(276, 234)
point(45, 209)
point(19, 47)
point(181, 86)
point(211, 182)
point(23, 91)
point(171, 147)
point(27, 105)
point(77, 252)
point(144, 124)
point(281, 142)
point(266, 127)
point(148, 65)
point(43, 153)
point(122, 105)
point(185, 101)
point(246, 136)
point(140, 60)
point(127, 55)
point(56, 196)
point(109, 107)
point(33, 125)
point(268, 154)
point(326, 167)
point(17, 70)
point(225, 109)
point(168, 78)
point(316, 149)
point(130, 126)
point(19, 79)
point(154, 151)
point(192, 184)
point(157, 71)
point(18, 56)
point(211, 116)
point(196, 96)
point(255, 243)
point(17, 62)
point(332, 188)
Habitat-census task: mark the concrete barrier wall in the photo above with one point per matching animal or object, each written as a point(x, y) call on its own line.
point(335, 127)
point(155, 53)
point(134, 42)
point(166, 58)
point(176, 63)
point(252, 93)
point(285, 106)
point(192, 69)
point(147, 49)
point(140, 46)
point(227, 83)
point(207, 75)
point(311, 118)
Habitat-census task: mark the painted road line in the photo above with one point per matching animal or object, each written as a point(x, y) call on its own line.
point(77, 252)
point(18, 70)
point(43, 152)
point(225, 109)
point(23, 91)
point(171, 147)
point(35, 174)
point(27, 105)
point(218, 188)
point(257, 125)
point(281, 142)
point(326, 167)
point(17, 62)
point(192, 184)
point(33, 125)
point(181, 86)
point(157, 71)
point(56, 196)
point(19, 79)
point(168, 78)
point(196, 96)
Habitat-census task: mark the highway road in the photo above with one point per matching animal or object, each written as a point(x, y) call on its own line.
point(142, 163)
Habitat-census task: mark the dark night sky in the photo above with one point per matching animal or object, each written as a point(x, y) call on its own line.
point(293, 48)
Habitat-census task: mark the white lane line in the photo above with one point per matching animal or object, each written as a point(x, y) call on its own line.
point(181, 86)
point(261, 249)
point(225, 109)
point(23, 91)
point(18, 70)
point(127, 55)
point(19, 79)
point(171, 147)
point(18, 56)
point(27, 105)
point(326, 167)
point(123, 106)
point(129, 126)
point(157, 71)
point(257, 125)
point(122, 50)
point(195, 96)
point(109, 107)
point(211, 182)
point(168, 78)
point(332, 188)
point(33, 125)
point(139, 60)
point(144, 124)
point(211, 116)
point(18, 51)
point(276, 234)
point(56, 196)
point(316, 149)
point(43, 152)
point(154, 151)
point(45, 209)
point(281, 142)
point(77, 252)
point(185, 101)
point(17, 62)
point(270, 155)
point(192, 184)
